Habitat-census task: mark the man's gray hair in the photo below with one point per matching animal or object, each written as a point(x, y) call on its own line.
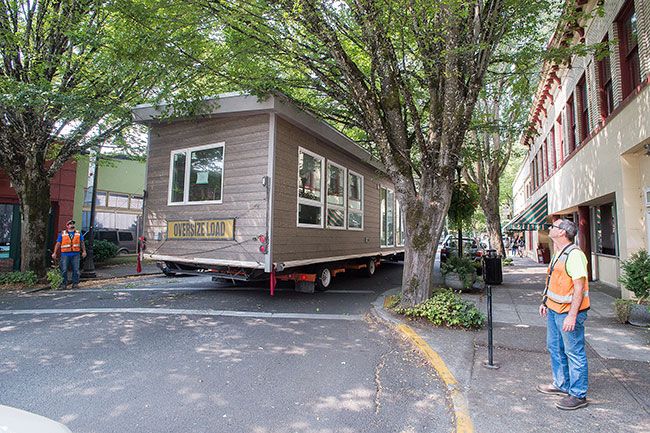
point(569, 227)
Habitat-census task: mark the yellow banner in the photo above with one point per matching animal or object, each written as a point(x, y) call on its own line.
point(221, 229)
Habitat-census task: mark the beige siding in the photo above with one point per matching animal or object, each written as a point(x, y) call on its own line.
point(290, 242)
point(246, 141)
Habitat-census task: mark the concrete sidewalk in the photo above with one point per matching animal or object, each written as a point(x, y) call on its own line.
point(506, 399)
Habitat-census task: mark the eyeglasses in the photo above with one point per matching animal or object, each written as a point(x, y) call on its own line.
point(557, 227)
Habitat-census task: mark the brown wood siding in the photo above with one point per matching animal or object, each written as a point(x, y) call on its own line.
point(290, 242)
point(246, 141)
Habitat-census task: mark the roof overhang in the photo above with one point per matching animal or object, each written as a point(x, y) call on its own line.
point(243, 104)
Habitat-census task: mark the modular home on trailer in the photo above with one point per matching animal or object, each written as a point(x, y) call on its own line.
point(258, 188)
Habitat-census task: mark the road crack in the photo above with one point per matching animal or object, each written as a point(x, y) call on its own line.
point(378, 386)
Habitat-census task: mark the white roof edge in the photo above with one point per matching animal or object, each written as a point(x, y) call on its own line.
point(231, 103)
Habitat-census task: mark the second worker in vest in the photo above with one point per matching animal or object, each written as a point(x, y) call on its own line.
point(565, 304)
point(71, 244)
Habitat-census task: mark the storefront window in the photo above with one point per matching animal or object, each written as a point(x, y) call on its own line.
point(605, 229)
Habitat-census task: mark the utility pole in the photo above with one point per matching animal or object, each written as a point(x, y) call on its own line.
point(89, 263)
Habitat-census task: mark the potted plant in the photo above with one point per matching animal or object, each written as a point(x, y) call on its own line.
point(636, 278)
point(459, 272)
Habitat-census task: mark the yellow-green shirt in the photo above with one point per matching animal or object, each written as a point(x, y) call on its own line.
point(576, 264)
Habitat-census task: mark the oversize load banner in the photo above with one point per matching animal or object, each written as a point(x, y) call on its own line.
point(222, 229)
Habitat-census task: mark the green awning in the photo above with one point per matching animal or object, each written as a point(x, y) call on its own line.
point(532, 218)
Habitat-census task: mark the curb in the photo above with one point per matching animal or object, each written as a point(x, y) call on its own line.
point(458, 400)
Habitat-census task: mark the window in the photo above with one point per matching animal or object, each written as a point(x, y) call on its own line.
point(196, 175)
point(110, 236)
point(355, 201)
point(100, 197)
point(558, 148)
point(387, 202)
point(310, 197)
point(582, 109)
point(572, 126)
point(136, 202)
point(335, 196)
point(606, 88)
point(629, 49)
point(125, 236)
point(605, 228)
point(118, 200)
point(552, 151)
point(399, 218)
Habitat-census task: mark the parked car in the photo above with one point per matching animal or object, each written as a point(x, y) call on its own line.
point(14, 420)
point(125, 240)
point(450, 248)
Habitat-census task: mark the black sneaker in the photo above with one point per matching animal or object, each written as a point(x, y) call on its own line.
point(571, 403)
point(75, 286)
point(551, 389)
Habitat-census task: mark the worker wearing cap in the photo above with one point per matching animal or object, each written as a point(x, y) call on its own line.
point(565, 304)
point(71, 244)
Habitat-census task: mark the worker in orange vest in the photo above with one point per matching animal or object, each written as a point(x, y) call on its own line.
point(71, 244)
point(565, 304)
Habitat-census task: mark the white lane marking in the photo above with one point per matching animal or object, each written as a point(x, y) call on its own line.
point(200, 289)
point(171, 311)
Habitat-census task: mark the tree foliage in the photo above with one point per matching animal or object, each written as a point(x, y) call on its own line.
point(464, 202)
point(402, 74)
point(70, 71)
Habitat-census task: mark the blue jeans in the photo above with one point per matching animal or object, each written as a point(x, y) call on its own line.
point(73, 262)
point(568, 356)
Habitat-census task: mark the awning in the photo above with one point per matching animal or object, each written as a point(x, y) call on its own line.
point(532, 218)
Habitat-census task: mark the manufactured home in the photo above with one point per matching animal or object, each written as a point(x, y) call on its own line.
point(255, 188)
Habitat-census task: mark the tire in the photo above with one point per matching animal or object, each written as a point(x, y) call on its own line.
point(371, 268)
point(122, 251)
point(323, 278)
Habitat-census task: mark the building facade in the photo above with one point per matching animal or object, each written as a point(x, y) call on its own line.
point(589, 144)
point(120, 193)
point(62, 192)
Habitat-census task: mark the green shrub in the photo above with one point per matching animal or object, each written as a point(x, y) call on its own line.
point(446, 308)
point(464, 267)
point(636, 274)
point(54, 278)
point(12, 278)
point(103, 250)
point(507, 261)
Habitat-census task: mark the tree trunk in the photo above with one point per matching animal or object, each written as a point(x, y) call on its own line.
point(490, 205)
point(425, 216)
point(34, 193)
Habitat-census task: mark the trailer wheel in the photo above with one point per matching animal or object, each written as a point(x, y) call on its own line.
point(371, 268)
point(323, 278)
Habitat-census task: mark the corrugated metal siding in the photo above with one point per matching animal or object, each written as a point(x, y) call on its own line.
point(299, 243)
point(244, 198)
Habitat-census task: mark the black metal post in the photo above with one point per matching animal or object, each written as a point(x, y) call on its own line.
point(89, 263)
point(490, 362)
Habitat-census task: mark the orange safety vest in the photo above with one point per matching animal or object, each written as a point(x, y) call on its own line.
point(70, 245)
point(558, 294)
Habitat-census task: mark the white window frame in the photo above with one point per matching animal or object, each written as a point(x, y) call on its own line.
point(362, 210)
point(307, 201)
point(342, 207)
point(381, 217)
point(186, 182)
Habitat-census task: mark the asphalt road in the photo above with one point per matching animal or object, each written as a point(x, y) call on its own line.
point(189, 355)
